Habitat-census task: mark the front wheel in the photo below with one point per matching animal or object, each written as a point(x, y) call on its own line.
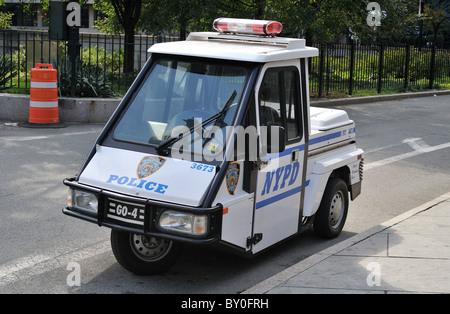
point(332, 213)
point(144, 255)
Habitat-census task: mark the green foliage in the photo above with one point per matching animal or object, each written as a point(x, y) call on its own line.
point(7, 71)
point(5, 18)
point(90, 80)
point(99, 57)
point(19, 59)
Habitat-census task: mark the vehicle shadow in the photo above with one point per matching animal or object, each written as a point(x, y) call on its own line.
point(207, 269)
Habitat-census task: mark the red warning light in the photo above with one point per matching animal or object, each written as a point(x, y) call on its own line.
point(246, 26)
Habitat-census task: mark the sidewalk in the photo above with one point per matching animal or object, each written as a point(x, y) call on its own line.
point(407, 254)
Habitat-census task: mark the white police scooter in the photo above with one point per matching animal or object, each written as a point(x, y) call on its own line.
point(215, 142)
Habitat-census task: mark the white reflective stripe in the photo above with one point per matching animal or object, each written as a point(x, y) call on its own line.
point(44, 84)
point(44, 104)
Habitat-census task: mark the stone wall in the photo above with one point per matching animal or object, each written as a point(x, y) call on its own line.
point(83, 110)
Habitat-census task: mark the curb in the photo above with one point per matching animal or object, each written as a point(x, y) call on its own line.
point(283, 276)
point(98, 110)
point(16, 108)
point(371, 99)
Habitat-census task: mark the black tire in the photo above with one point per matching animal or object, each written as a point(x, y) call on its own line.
point(144, 255)
point(332, 213)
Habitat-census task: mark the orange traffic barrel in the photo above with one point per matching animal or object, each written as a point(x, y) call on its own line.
point(44, 94)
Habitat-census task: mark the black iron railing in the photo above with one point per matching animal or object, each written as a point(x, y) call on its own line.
point(99, 68)
point(347, 68)
point(339, 69)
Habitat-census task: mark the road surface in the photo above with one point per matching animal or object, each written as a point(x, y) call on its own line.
point(407, 163)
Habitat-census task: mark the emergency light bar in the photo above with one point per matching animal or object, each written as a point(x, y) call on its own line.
point(246, 26)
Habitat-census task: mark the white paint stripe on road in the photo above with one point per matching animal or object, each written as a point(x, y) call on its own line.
point(30, 266)
point(419, 151)
point(416, 143)
point(41, 137)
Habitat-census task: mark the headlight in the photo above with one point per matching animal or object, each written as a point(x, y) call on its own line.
point(83, 200)
point(183, 222)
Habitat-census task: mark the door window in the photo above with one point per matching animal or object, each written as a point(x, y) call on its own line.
point(279, 101)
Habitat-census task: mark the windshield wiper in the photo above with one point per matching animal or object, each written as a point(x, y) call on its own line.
point(171, 140)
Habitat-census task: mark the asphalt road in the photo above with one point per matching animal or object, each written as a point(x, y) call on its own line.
point(407, 145)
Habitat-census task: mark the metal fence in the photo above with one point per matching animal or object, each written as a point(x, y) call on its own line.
point(339, 68)
point(346, 68)
point(100, 63)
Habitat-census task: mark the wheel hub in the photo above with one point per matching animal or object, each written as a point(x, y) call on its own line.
point(149, 248)
point(337, 204)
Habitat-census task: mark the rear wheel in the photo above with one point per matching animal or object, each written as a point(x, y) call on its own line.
point(144, 255)
point(332, 213)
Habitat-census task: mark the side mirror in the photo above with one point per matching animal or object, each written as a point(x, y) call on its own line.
point(275, 141)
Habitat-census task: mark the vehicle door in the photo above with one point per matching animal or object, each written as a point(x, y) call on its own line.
point(278, 191)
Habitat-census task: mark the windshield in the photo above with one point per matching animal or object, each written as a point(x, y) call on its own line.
point(178, 95)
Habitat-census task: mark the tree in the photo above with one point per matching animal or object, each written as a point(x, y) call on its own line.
point(253, 9)
point(398, 24)
point(121, 15)
point(170, 15)
point(183, 16)
point(436, 12)
point(5, 17)
point(331, 20)
point(179, 16)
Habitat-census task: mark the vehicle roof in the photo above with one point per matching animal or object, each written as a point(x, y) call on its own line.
point(237, 47)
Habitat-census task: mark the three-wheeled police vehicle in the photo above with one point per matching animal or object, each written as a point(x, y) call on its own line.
point(216, 142)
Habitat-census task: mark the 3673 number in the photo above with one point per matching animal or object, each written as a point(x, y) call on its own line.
point(201, 167)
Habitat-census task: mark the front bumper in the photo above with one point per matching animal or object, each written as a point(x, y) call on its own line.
point(152, 211)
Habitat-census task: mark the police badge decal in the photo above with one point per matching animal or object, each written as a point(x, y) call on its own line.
point(149, 165)
point(232, 177)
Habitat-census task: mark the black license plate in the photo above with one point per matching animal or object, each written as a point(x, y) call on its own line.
point(127, 212)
